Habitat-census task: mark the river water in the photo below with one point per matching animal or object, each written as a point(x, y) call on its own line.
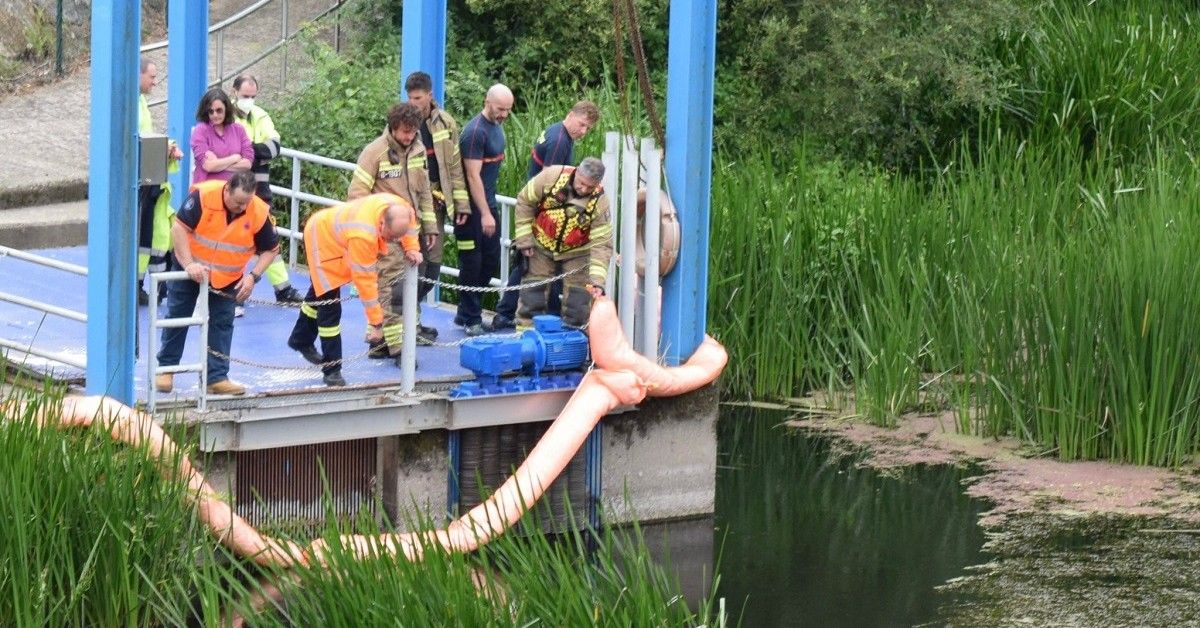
point(805, 536)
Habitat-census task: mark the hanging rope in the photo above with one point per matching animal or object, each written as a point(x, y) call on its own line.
point(639, 56)
point(619, 58)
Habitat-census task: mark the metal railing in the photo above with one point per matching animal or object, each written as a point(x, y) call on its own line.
point(217, 31)
point(43, 307)
point(199, 318)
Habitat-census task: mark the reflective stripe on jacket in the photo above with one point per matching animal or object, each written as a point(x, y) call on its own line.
point(343, 244)
point(451, 179)
point(385, 167)
point(564, 225)
point(222, 245)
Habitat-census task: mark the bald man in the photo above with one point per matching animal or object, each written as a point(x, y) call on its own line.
point(482, 147)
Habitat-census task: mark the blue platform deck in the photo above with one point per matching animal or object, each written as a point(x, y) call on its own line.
point(259, 337)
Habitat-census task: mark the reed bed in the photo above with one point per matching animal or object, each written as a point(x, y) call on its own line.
point(96, 535)
point(1032, 295)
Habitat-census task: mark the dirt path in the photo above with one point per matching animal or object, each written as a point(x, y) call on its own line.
point(47, 128)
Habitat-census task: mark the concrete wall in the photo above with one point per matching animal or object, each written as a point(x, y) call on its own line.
point(661, 462)
point(413, 471)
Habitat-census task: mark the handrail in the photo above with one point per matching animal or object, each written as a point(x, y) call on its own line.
point(199, 318)
point(217, 29)
point(229, 21)
point(43, 260)
point(43, 307)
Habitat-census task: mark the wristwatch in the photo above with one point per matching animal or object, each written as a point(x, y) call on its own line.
point(256, 276)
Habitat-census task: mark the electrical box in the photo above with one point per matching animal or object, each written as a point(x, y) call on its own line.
point(152, 161)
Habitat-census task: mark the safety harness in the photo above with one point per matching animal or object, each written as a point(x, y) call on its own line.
point(560, 226)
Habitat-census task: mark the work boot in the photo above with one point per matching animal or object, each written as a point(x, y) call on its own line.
point(333, 379)
point(226, 387)
point(397, 360)
point(426, 335)
point(143, 296)
point(474, 330)
point(501, 322)
point(460, 321)
point(239, 311)
point(310, 353)
point(378, 351)
point(164, 382)
point(288, 294)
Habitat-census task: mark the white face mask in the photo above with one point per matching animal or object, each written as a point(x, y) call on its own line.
point(245, 104)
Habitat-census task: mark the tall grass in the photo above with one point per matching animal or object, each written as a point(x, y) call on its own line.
point(94, 535)
point(1036, 296)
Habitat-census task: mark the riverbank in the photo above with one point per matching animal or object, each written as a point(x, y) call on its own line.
point(1069, 543)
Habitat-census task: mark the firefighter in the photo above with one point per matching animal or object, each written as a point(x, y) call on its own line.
point(394, 163)
point(562, 226)
point(443, 162)
point(220, 226)
point(344, 244)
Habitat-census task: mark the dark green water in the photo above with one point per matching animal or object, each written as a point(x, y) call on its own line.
point(807, 538)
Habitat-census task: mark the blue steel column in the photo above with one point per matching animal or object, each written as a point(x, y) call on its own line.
point(691, 55)
point(187, 80)
point(112, 199)
point(423, 43)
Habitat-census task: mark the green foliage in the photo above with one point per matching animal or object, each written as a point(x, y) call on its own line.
point(872, 80)
point(93, 534)
point(39, 35)
point(1116, 76)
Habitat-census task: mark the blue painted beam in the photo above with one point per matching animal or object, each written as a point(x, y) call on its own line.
point(423, 44)
point(187, 80)
point(691, 64)
point(112, 199)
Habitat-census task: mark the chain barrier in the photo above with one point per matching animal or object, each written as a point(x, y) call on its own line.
point(297, 369)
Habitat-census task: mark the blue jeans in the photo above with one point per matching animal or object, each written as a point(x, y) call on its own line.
point(181, 301)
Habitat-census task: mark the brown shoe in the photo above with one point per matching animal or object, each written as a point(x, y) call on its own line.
point(226, 387)
point(164, 382)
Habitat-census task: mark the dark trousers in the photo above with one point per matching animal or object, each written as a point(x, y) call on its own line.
point(478, 262)
point(323, 321)
point(508, 303)
point(181, 300)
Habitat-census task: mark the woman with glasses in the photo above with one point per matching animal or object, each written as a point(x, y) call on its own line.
point(220, 146)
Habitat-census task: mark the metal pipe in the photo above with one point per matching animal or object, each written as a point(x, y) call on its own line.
point(627, 298)
point(322, 160)
point(44, 307)
point(652, 158)
point(294, 212)
point(152, 348)
point(283, 35)
point(31, 350)
point(612, 141)
point(58, 38)
point(220, 55)
point(43, 260)
point(408, 347)
point(201, 312)
point(506, 213)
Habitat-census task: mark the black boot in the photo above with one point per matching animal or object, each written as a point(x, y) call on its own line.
point(334, 379)
point(378, 351)
point(288, 294)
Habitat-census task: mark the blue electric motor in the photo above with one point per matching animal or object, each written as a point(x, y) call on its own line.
point(548, 347)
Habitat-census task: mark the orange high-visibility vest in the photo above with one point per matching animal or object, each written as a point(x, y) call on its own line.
point(343, 243)
point(224, 246)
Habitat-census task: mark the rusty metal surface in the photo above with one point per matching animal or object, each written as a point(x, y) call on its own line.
point(287, 484)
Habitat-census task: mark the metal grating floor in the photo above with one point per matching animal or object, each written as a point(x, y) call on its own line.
point(259, 337)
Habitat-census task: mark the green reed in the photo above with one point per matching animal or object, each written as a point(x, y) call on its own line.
point(93, 534)
point(96, 535)
point(1032, 295)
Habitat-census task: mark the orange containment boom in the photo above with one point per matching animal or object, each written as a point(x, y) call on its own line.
point(622, 377)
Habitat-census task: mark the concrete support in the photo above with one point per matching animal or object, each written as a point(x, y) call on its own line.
point(187, 72)
point(112, 193)
point(423, 43)
point(691, 55)
point(413, 478)
point(661, 462)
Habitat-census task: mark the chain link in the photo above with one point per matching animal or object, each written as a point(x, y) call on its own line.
point(434, 282)
point(297, 369)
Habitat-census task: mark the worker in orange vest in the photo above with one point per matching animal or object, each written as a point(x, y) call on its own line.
point(344, 244)
point(219, 227)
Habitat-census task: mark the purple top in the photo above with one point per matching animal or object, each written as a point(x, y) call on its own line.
point(205, 138)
